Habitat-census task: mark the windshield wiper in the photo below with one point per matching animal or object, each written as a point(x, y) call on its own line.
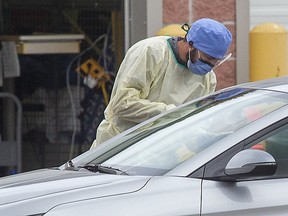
point(69, 165)
point(104, 169)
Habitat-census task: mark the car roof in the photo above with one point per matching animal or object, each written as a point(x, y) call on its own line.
point(275, 84)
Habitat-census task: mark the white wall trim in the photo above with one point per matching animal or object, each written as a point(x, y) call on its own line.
point(126, 25)
point(154, 17)
point(242, 41)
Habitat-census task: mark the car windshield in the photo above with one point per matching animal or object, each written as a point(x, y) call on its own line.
point(162, 144)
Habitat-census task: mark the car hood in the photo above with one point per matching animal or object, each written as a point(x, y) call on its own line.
point(44, 189)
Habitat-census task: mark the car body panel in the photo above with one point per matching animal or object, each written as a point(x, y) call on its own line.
point(262, 197)
point(46, 188)
point(161, 196)
point(276, 84)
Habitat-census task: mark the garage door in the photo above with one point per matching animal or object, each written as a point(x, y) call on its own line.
point(262, 11)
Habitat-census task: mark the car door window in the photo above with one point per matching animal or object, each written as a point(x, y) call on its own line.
point(276, 144)
point(273, 139)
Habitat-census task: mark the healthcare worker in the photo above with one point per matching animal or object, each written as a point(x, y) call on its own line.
point(162, 72)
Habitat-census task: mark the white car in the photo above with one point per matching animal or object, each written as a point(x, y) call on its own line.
point(224, 154)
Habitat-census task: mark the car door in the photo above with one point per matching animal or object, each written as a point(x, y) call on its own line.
point(266, 195)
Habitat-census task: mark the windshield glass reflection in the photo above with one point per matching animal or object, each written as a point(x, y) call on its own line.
point(163, 144)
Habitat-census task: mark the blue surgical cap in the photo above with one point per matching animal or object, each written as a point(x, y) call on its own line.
point(210, 37)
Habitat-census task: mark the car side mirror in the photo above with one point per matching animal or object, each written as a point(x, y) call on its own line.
point(250, 163)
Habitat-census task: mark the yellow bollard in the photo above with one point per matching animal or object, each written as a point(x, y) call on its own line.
point(268, 51)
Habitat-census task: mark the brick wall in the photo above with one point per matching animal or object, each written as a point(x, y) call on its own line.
point(224, 11)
